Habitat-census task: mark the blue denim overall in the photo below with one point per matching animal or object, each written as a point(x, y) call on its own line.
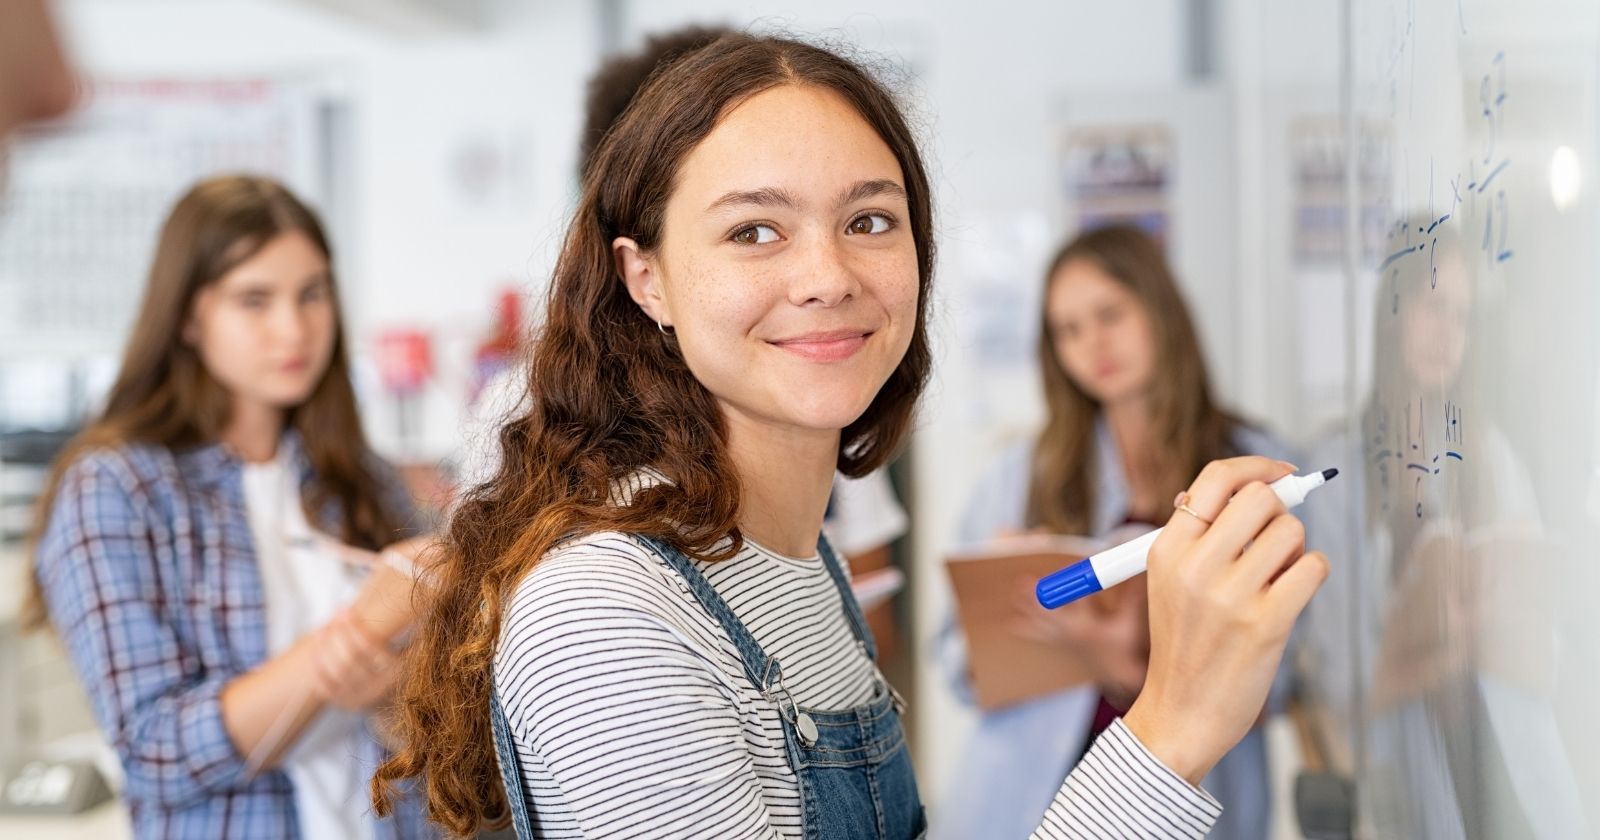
point(853, 767)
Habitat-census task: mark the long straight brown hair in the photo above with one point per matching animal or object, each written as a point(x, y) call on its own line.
point(164, 395)
point(608, 395)
point(1189, 427)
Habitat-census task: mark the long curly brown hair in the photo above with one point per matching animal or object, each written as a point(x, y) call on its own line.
point(607, 395)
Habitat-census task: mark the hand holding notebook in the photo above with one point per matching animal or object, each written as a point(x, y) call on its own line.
point(1017, 650)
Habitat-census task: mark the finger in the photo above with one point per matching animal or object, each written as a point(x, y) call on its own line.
point(340, 656)
point(322, 683)
point(1215, 551)
point(375, 684)
point(1288, 595)
point(333, 677)
point(362, 640)
point(1279, 544)
point(1205, 499)
point(1221, 481)
point(369, 663)
point(331, 647)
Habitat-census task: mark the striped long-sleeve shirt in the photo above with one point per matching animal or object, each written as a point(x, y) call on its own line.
point(633, 716)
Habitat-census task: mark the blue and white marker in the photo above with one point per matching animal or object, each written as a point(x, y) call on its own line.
point(1115, 565)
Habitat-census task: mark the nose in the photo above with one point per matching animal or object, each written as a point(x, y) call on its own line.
point(824, 276)
point(290, 325)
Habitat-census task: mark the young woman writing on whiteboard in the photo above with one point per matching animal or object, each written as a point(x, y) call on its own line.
point(637, 616)
point(1130, 417)
point(192, 550)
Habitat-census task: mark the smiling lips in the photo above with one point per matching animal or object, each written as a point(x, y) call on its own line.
point(833, 346)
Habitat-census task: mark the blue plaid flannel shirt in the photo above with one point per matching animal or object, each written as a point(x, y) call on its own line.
point(149, 573)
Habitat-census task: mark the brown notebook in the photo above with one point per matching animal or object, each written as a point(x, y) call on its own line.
point(1005, 668)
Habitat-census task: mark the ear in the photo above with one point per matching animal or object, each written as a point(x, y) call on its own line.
point(642, 277)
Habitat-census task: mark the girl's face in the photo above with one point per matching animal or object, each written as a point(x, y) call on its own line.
point(265, 330)
point(1433, 337)
point(786, 266)
point(1102, 333)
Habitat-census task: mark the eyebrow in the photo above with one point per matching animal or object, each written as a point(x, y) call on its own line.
point(256, 283)
point(779, 197)
point(872, 189)
point(764, 197)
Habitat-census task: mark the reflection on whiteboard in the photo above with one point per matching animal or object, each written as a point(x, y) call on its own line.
point(1316, 146)
point(86, 198)
point(1457, 650)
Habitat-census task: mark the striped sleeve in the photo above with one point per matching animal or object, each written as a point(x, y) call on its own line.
point(637, 730)
point(1121, 790)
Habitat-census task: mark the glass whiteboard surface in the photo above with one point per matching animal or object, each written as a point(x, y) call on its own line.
point(1456, 651)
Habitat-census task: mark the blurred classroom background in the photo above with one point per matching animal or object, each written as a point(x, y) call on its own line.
point(438, 138)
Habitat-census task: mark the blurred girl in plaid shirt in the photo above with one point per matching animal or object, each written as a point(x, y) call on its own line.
point(207, 545)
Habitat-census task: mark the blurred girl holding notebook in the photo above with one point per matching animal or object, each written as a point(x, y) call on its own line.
point(1131, 419)
point(206, 544)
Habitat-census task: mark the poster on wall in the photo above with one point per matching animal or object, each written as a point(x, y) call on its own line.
point(1120, 175)
point(87, 196)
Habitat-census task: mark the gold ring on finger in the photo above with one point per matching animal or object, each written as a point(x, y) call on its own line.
point(1182, 503)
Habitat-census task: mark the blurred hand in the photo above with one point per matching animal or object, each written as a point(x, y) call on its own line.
point(387, 603)
point(1430, 631)
point(1223, 599)
point(353, 669)
point(1109, 632)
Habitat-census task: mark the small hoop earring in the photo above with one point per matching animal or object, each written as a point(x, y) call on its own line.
point(661, 328)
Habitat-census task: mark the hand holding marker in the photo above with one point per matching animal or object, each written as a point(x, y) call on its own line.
point(1115, 565)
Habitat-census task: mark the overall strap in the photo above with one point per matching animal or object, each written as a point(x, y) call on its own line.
point(763, 670)
point(505, 748)
point(852, 610)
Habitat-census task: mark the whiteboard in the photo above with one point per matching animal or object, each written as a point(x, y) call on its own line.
point(1455, 653)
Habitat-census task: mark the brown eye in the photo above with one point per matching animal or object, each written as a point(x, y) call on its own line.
point(870, 223)
point(755, 235)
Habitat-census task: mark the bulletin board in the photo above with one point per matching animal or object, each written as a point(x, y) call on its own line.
point(86, 196)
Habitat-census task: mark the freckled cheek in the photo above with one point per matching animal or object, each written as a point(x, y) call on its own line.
point(894, 283)
point(722, 305)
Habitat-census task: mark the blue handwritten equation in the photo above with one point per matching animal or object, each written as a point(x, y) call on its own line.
point(1476, 191)
point(1406, 447)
